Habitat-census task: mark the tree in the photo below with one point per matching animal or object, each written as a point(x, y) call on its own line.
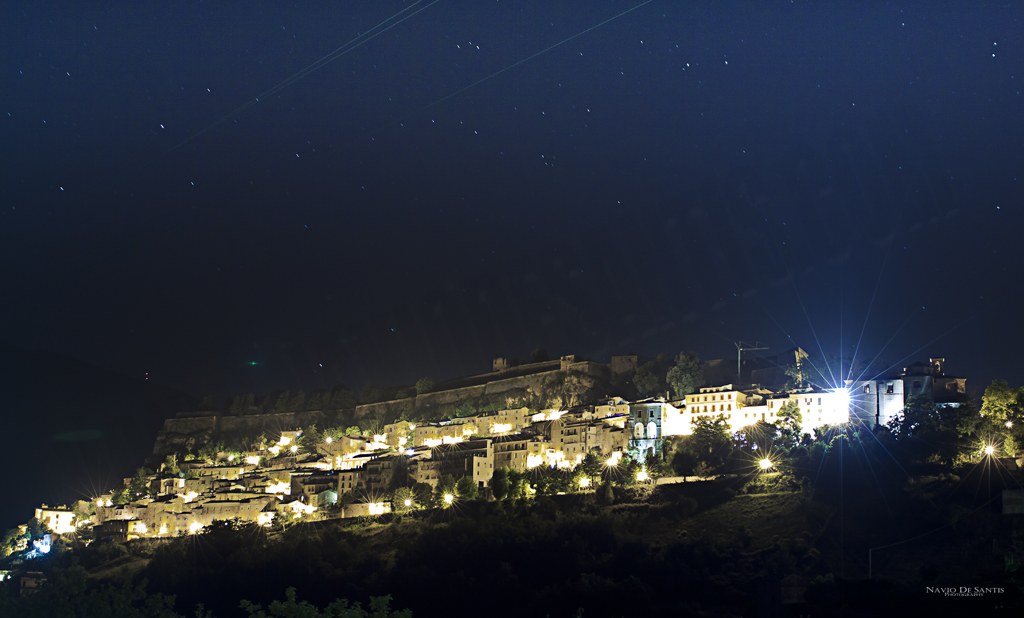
point(592, 465)
point(468, 408)
point(399, 498)
point(919, 416)
point(646, 380)
point(517, 484)
point(139, 486)
point(446, 485)
point(754, 440)
point(710, 440)
point(655, 464)
point(298, 402)
point(208, 404)
point(10, 542)
point(210, 450)
point(318, 400)
point(399, 472)
point(372, 425)
point(931, 432)
point(171, 464)
point(500, 483)
point(789, 423)
point(269, 403)
point(1000, 403)
point(242, 404)
point(341, 398)
point(311, 437)
point(467, 488)
point(284, 400)
point(539, 355)
point(686, 375)
point(372, 393)
point(423, 494)
point(424, 385)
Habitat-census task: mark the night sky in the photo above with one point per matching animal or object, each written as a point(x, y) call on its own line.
point(467, 180)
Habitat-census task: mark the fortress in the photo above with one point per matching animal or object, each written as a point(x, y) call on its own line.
point(549, 384)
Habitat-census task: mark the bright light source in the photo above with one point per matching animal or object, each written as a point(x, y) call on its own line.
point(294, 448)
point(842, 397)
point(1009, 424)
point(408, 502)
point(231, 457)
point(253, 460)
point(449, 498)
point(163, 528)
point(141, 528)
point(765, 464)
point(989, 450)
point(584, 482)
point(194, 527)
point(642, 476)
point(329, 439)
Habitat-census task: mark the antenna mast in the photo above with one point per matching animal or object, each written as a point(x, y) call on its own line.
point(741, 347)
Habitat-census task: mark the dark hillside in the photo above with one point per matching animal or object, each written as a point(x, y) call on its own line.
point(72, 429)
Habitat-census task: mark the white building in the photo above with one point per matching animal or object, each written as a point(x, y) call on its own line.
point(741, 408)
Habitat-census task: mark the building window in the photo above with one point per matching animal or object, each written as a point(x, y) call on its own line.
point(652, 430)
point(867, 389)
point(889, 388)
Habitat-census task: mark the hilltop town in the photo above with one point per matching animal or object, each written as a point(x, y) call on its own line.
point(390, 456)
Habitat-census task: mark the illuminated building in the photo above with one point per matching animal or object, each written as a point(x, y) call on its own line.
point(59, 519)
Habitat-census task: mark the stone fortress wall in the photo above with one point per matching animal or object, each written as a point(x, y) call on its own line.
point(532, 379)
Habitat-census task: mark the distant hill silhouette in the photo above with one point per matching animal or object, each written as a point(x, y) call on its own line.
point(72, 429)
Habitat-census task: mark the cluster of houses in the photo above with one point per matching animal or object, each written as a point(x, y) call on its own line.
point(284, 481)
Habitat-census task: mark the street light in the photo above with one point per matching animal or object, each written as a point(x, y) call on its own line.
point(449, 498)
point(765, 464)
point(989, 449)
